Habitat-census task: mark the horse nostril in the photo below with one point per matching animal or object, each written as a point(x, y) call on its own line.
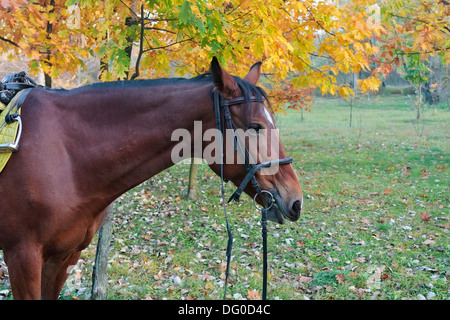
point(297, 207)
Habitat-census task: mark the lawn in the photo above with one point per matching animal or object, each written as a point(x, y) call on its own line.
point(375, 222)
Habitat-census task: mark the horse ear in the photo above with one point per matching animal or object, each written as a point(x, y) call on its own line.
point(223, 81)
point(254, 73)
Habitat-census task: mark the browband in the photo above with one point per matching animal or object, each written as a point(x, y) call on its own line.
point(239, 100)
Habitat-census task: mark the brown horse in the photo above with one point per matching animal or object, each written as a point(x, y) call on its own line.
point(83, 148)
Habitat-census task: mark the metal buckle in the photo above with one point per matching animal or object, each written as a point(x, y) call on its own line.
point(272, 200)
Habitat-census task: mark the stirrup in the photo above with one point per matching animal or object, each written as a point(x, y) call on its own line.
point(13, 147)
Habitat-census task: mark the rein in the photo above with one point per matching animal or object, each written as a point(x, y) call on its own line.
point(224, 104)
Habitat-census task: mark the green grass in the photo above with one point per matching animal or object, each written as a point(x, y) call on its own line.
point(375, 222)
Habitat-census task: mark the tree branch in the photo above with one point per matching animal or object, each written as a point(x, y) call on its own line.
point(233, 9)
point(160, 29)
point(141, 46)
point(159, 20)
point(9, 41)
point(315, 20)
point(421, 21)
point(425, 52)
point(167, 46)
point(134, 13)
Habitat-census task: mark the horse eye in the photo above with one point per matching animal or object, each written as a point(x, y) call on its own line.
point(255, 126)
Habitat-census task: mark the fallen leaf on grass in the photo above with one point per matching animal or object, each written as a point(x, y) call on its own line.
point(425, 216)
point(253, 295)
point(209, 286)
point(304, 279)
point(359, 291)
point(340, 278)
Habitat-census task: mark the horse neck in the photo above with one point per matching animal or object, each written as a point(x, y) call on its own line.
point(133, 141)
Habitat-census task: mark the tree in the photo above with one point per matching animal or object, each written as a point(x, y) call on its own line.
point(46, 32)
point(415, 31)
point(416, 27)
point(180, 37)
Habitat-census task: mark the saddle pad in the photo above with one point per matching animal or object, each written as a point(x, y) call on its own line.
point(7, 135)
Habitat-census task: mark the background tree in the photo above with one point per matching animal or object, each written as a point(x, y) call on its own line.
point(416, 32)
point(179, 37)
point(45, 32)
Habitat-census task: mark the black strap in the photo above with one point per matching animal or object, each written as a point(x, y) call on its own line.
point(12, 113)
point(10, 118)
point(264, 236)
point(239, 100)
point(17, 86)
point(230, 235)
point(251, 174)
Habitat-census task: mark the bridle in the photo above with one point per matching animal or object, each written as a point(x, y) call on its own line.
point(221, 103)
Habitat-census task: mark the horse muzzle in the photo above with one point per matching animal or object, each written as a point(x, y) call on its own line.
point(277, 210)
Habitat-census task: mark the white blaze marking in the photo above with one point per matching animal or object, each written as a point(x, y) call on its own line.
point(268, 116)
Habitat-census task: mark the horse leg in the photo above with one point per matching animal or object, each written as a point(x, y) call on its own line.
point(55, 273)
point(56, 269)
point(25, 266)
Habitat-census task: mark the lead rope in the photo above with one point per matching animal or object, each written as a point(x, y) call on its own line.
point(264, 236)
point(230, 235)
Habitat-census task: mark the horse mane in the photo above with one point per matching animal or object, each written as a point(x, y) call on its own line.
point(248, 89)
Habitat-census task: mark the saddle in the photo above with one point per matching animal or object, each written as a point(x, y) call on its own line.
point(13, 83)
point(14, 88)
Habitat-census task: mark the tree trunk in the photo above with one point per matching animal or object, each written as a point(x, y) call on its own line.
point(351, 112)
point(355, 91)
point(419, 103)
point(100, 273)
point(130, 22)
point(192, 186)
point(48, 80)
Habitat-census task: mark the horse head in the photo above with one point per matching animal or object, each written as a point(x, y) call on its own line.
point(252, 138)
